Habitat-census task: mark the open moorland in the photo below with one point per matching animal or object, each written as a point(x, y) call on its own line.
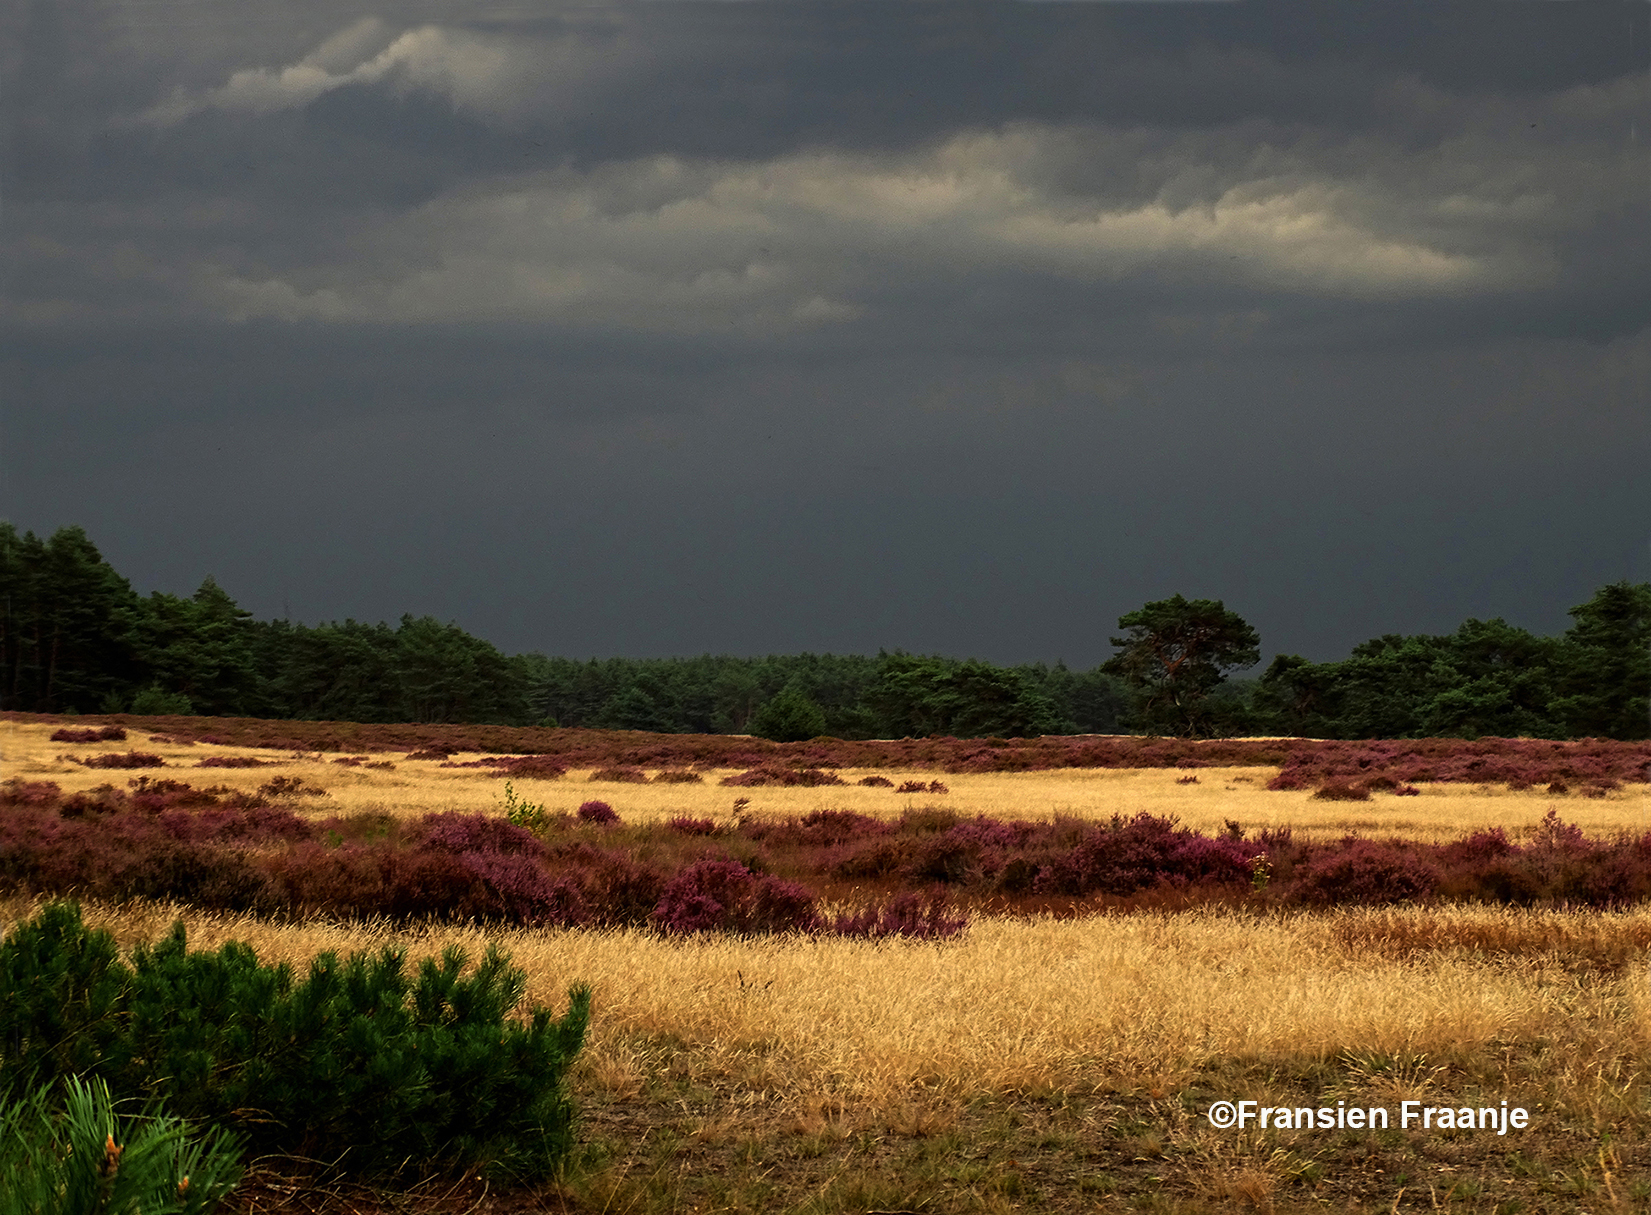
point(1043, 1027)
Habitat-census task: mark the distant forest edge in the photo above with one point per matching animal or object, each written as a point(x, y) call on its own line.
point(75, 638)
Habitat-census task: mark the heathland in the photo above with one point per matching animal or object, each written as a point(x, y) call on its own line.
point(1059, 1052)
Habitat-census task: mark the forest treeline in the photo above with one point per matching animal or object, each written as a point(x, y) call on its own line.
point(75, 637)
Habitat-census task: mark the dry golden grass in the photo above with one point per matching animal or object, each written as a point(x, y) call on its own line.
point(414, 787)
point(1139, 1003)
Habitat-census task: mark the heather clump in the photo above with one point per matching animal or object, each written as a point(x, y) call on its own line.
point(289, 788)
point(452, 831)
point(1342, 791)
point(598, 814)
point(120, 759)
point(1366, 872)
point(17, 792)
point(684, 824)
point(818, 828)
point(93, 735)
point(723, 895)
point(808, 778)
point(155, 796)
point(1135, 854)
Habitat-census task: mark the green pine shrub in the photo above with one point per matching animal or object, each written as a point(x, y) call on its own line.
point(83, 1159)
point(357, 1058)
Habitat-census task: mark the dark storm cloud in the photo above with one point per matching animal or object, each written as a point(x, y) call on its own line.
point(666, 328)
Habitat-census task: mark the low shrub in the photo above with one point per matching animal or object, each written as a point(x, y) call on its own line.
point(15, 791)
point(155, 796)
point(808, 778)
point(1341, 791)
point(531, 816)
point(453, 831)
point(876, 782)
point(878, 859)
point(598, 813)
point(683, 824)
point(234, 761)
point(723, 895)
point(289, 788)
point(1366, 872)
point(677, 776)
point(128, 759)
point(354, 1057)
point(1141, 852)
point(92, 735)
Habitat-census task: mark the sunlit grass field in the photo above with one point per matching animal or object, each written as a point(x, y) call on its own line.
point(1035, 1063)
point(415, 787)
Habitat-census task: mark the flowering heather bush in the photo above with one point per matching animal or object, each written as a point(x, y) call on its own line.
point(677, 776)
point(441, 753)
point(1141, 852)
point(155, 796)
point(96, 734)
point(235, 761)
point(1341, 791)
point(723, 895)
point(913, 786)
point(683, 824)
point(1366, 872)
point(598, 813)
point(808, 778)
point(875, 859)
point(351, 761)
point(876, 782)
point(838, 826)
point(28, 793)
point(289, 787)
point(129, 759)
point(452, 831)
point(948, 858)
point(621, 890)
point(105, 799)
point(123, 857)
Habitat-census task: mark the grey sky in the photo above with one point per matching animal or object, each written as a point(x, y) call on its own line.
point(654, 329)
